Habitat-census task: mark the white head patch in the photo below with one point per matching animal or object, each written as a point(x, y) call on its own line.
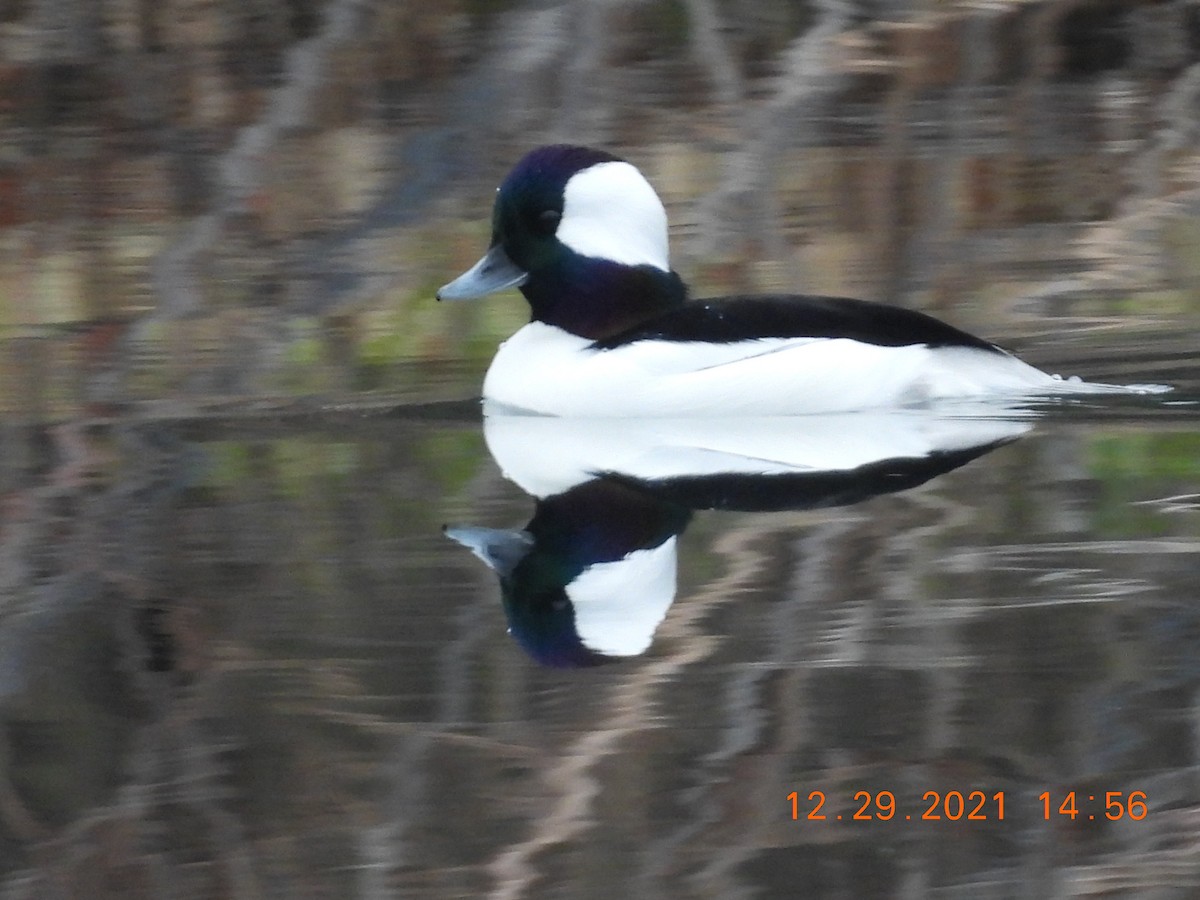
point(611, 212)
point(618, 604)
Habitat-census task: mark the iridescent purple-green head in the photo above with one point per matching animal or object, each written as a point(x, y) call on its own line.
point(584, 237)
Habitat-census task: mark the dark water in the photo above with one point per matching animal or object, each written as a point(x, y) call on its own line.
point(308, 685)
point(240, 658)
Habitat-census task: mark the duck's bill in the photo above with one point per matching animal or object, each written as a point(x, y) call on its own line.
point(502, 550)
point(494, 272)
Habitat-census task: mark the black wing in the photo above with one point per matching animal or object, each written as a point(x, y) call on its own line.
point(726, 320)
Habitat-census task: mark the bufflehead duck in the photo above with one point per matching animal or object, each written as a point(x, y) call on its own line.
point(592, 575)
point(583, 235)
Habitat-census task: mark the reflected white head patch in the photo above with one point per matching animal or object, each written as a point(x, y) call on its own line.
point(619, 604)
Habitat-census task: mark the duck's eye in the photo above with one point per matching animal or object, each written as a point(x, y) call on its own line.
point(547, 221)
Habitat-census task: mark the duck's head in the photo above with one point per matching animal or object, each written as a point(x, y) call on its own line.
point(584, 237)
point(591, 576)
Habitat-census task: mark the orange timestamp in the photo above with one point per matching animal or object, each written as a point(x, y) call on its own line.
point(972, 806)
point(1116, 805)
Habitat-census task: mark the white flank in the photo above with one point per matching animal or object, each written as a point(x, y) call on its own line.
point(619, 604)
point(546, 370)
point(611, 212)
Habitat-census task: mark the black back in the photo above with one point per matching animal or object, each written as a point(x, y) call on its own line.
point(727, 320)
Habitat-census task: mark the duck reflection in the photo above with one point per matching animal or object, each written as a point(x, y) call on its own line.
point(593, 573)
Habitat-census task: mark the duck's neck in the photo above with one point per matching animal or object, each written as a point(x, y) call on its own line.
point(597, 299)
